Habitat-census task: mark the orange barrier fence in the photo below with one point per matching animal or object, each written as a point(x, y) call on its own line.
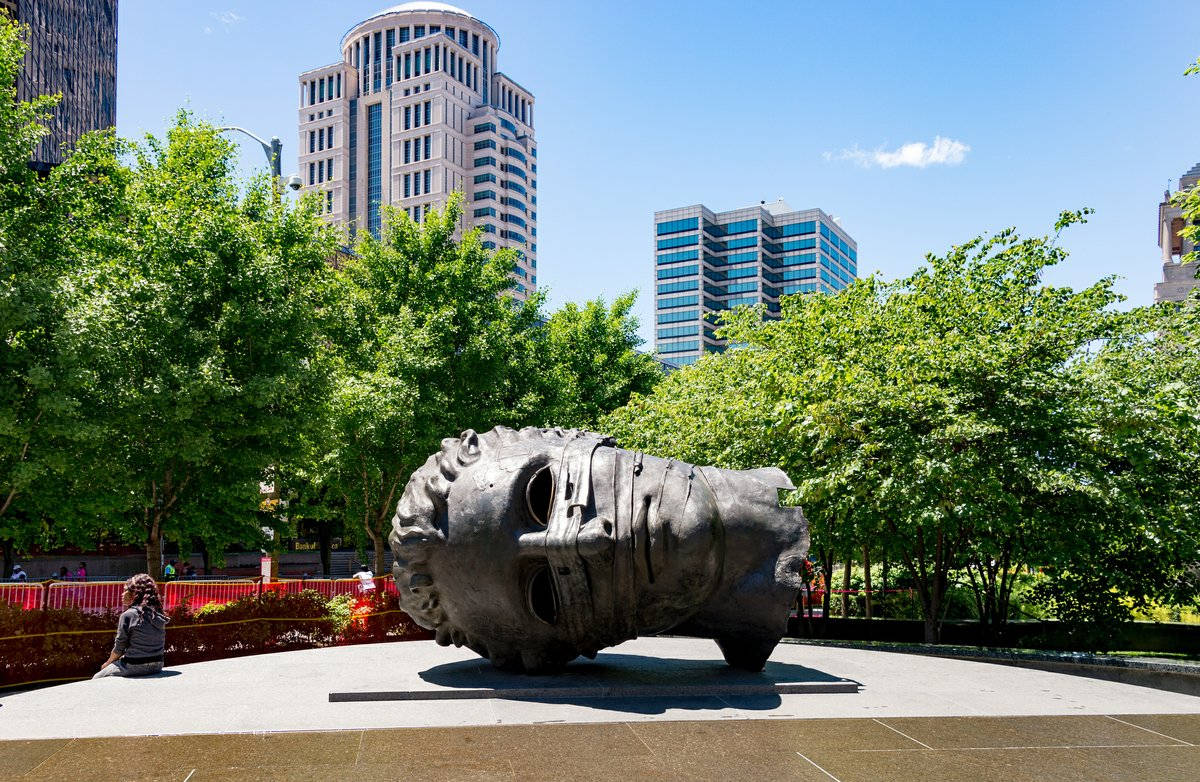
point(97, 597)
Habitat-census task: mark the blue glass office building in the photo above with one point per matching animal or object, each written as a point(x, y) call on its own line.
point(709, 262)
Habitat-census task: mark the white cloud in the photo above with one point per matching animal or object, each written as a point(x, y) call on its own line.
point(917, 154)
point(228, 18)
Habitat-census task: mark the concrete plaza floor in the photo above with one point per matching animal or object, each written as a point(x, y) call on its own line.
point(270, 717)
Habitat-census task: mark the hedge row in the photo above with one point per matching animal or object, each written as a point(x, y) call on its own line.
point(62, 644)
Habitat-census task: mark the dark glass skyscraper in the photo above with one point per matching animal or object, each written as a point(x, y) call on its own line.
point(73, 51)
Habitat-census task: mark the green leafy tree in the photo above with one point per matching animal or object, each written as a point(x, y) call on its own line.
point(199, 312)
point(41, 225)
point(427, 346)
point(586, 362)
point(938, 414)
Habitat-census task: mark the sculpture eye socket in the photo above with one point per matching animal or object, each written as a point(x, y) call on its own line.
point(539, 496)
point(541, 596)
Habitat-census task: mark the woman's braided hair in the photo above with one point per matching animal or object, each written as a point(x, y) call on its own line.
point(144, 592)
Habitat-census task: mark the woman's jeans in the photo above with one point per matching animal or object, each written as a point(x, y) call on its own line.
point(122, 668)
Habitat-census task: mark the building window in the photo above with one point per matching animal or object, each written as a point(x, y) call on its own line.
point(391, 42)
point(486, 211)
point(483, 195)
point(407, 151)
point(404, 34)
point(407, 117)
point(329, 169)
point(428, 171)
point(481, 178)
point(486, 143)
point(484, 127)
point(407, 185)
point(329, 201)
point(419, 31)
point(376, 55)
point(416, 183)
point(312, 173)
point(374, 166)
point(428, 145)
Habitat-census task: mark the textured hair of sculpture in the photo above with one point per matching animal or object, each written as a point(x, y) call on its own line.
point(419, 526)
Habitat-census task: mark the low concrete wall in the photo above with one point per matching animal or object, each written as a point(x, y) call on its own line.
point(1135, 636)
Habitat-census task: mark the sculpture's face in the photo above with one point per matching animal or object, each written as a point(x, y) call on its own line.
point(564, 546)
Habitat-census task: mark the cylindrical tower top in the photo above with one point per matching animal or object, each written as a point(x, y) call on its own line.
point(414, 12)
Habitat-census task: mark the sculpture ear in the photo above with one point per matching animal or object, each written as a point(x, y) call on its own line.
point(468, 447)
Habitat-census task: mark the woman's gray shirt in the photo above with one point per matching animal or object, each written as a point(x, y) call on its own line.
point(141, 634)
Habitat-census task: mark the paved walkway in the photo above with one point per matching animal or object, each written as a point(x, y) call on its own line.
point(270, 717)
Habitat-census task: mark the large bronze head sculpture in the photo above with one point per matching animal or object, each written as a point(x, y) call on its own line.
point(533, 547)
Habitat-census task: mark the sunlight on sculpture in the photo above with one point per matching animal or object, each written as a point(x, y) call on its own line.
point(534, 547)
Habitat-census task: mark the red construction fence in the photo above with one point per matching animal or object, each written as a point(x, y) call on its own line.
point(101, 596)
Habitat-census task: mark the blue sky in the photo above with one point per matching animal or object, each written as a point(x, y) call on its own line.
point(643, 106)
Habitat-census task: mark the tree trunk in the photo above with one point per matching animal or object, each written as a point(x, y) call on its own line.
point(884, 575)
point(7, 545)
point(867, 579)
point(324, 543)
point(827, 574)
point(377, 540)
point(846, 587)
point(153, 556)
point(207, 563)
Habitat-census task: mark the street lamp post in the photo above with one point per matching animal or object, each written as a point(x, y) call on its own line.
point(273, 149)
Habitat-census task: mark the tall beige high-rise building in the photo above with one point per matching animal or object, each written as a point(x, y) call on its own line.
point(414, 110)
point(1179, 278)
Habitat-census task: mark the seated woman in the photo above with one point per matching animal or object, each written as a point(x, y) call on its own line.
point(141, 631)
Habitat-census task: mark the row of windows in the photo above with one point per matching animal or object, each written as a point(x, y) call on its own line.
point(794, 229)
point(326, 204)
point(486, 211)
point(515, 203)
point(839, 242)
point(418, 149)
point(679, 347)
point(483, 195)
point(678, 316)
point(485, 161)
point(682, 361)
point(513, 168)
point(481, 178)
point(322, 89)
point(834, 253)
point(678, 301)
point(804, 287)
point(515, 186)
point(515, 220)
point(720, 275)
point(675, 226)
point(683, 255)
point(417, 179)
point(414, 113)
point(485, 127)
point(319, 139)
point(320, 171)
point(677, 271)
point(514, 235)
point(678, 241)
point(486, 143)
point(514, 152)
point(682, 285)
point(509, 126)
point(729, 229)
point(794, 244)
point(679, 331)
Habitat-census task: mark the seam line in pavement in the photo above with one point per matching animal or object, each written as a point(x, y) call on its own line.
point(1047, 746)
point(1155, 732)
point(189, 776)
point(362, 736)
point(902, 733)
point(51, 756)
point(818, 767)
point(638, 736)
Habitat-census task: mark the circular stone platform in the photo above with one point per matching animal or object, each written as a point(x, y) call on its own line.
point(419, 684)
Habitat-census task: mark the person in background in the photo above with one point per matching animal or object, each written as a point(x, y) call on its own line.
point(18, 574)
point(81, 573)
point(169, 571)
point(141, 631)
point(366, 580)
point(189, 571)
point(63, 574)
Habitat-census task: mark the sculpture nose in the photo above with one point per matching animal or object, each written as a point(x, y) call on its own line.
point(596, 537)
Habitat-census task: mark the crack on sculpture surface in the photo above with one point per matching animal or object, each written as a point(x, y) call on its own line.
point(536, 546)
